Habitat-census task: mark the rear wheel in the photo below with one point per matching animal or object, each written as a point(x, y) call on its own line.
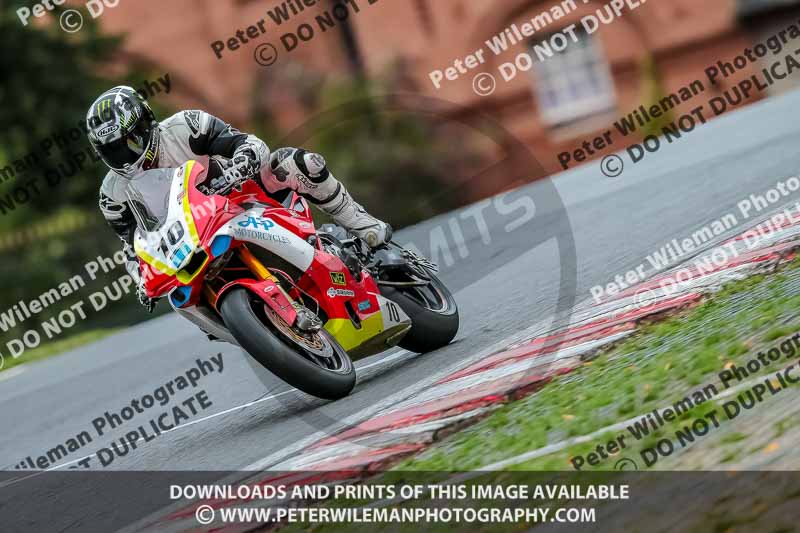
point(433, 312)
point(312, 362)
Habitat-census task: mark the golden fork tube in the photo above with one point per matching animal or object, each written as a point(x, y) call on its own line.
point(255, 265)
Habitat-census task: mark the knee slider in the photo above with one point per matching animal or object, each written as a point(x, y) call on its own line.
point(314, 164)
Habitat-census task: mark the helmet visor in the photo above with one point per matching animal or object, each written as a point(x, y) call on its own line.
point(128, 149)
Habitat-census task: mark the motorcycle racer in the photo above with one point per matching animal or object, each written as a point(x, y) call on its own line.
point(124, 132)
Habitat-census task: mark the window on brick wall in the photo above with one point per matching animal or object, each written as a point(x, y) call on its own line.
point(573, 84)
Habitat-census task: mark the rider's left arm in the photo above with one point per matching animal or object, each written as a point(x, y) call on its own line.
point(212, 136)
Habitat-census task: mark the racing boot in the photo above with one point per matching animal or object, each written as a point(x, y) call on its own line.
point(348, 213)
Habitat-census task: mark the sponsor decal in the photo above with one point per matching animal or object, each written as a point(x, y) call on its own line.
point(338, 278)
point(332, 293)
point(260, 235)
point(108, 130)
point(366, 305)
point(307, 183)
point(266, 224)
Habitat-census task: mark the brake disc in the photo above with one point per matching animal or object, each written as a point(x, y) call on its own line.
point(311, 342)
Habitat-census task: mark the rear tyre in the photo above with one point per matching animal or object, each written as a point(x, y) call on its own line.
point(433, 312)
point(314, 363)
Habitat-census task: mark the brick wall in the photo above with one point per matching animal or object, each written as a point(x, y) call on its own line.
point(683, 36)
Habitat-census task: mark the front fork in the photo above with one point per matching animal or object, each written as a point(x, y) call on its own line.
point(255, 266)
point(293, 311)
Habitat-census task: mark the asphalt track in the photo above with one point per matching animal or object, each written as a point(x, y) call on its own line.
point(615, 224)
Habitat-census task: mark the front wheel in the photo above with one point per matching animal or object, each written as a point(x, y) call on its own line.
point(312, 362)
point(433, 312)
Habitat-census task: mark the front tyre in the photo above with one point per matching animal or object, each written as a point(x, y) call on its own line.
point(312, 362)
point(433, 312)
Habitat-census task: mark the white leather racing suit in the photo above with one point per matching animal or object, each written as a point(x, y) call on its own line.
point(198, 135)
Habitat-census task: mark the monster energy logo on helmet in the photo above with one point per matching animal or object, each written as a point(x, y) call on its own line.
point(123, 131)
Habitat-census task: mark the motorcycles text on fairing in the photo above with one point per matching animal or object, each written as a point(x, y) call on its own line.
point(251, 269)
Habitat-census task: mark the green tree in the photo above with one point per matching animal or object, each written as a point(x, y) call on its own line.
point(394, 160)
point(49, 80)
point(50, 77)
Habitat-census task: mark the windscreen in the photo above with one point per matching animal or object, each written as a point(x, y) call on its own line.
point(148, 196)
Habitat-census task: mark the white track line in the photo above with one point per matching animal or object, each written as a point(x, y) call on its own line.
point(389, 402)
point(557, 447)
point(527, 364)
point(584, 311)
point(289, 453)
point(382, 361)
point(12, 372)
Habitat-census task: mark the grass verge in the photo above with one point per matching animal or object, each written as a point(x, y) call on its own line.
point(655, 368)
point(659, 365)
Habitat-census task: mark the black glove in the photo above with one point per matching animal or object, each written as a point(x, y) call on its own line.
point(229, 174)
point(246, 157)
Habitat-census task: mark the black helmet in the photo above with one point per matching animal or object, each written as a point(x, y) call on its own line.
point(123, 131)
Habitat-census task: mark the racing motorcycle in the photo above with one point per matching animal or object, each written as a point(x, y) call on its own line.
point(250, 268)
